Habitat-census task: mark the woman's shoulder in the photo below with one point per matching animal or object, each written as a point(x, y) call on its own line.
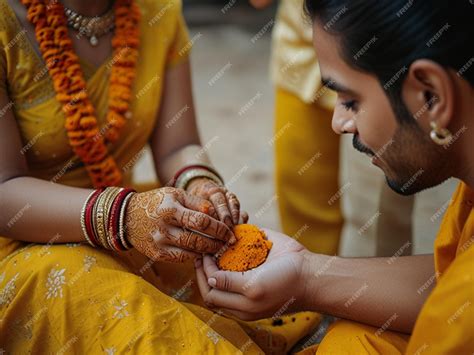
point(8, 23)
point(152, 8)
point(159, 17)
point(11, 35)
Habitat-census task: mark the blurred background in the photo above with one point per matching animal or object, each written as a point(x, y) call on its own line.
point(234, 100)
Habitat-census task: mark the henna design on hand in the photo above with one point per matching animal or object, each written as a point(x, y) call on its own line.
point(145, 223)
point(198, 221)
point(193, 241)
point(151, 221)
point(226, 204)
point(234, 205)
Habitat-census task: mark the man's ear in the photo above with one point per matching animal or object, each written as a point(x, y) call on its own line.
point(428, 92)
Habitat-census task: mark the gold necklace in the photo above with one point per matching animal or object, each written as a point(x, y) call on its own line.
point(92, 27)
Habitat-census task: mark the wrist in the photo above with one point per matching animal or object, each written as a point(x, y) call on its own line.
point(184, 179)
point(102, 218)
point(195, 182)
point(312, 278)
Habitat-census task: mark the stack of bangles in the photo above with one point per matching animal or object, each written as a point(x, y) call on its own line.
point(185, 175)
point(103, 218)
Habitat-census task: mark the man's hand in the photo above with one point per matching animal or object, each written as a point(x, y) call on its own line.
point(276, 286)
point(366, 290)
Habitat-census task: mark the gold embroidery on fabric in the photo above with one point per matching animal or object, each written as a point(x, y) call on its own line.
point(44, 89)
point(16, 252)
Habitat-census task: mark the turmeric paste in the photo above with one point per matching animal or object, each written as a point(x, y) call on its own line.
point(250, 250)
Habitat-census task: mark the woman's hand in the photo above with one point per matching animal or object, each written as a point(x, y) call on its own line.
point(225, 203)
point(161, 223)
point(275, 287)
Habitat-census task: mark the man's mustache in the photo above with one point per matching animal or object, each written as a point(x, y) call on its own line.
point(356, 143)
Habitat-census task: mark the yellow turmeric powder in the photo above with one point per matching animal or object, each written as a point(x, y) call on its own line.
point(250, 250)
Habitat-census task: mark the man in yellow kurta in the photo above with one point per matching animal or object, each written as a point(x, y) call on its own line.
point(319, 179)
point(444, 325)
point(405, 84)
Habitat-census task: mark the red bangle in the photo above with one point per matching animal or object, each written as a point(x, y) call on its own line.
point(88, 216)
point(112, 223)
point(114, 220)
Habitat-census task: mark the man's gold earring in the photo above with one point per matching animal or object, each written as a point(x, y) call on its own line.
point(440, 136)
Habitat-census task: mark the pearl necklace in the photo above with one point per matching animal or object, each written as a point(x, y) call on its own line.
point(92, 27)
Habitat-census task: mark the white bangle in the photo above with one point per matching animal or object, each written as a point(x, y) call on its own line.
point(185, 178)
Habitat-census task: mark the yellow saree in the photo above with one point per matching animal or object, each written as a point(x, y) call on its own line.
point(76, 299)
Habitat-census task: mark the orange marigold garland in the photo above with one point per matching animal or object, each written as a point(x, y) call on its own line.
point(85, 138)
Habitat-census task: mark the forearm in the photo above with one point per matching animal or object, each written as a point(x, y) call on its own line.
point(384, 292)
point(39, 211)
point(175, 141)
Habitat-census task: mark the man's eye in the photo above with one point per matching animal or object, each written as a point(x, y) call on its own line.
point(349, 105)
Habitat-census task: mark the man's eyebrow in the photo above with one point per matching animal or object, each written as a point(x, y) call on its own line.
point(333, 85)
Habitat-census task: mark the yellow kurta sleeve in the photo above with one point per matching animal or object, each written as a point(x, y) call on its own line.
point(181, 44)
point(294, 65)
point(445, 323)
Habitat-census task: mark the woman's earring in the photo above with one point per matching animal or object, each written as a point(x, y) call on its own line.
point(440, 136)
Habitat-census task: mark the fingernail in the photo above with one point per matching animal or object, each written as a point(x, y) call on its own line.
point(212, 282)
point(198, 263)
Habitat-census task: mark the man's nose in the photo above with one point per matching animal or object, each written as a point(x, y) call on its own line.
point(341, 124)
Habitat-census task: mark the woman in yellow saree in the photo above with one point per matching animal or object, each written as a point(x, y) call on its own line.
point(128, 86)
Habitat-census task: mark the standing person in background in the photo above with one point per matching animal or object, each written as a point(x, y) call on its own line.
point(307, 153)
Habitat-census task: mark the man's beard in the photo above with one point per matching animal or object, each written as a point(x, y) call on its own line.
point(412, 162)
point(357, 144)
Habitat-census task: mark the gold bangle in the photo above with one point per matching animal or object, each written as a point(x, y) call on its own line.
point(102, 215)
point(99, 216)
point(108, 210)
